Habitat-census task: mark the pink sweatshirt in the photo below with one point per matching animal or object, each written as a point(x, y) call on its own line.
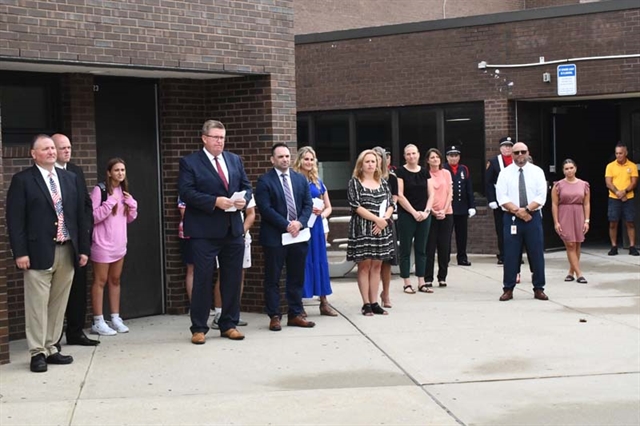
point(109, 243)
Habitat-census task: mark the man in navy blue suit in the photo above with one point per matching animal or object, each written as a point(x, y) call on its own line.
point(284, 201)
point(207, 181)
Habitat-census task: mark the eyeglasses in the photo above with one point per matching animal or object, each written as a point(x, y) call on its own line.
point(215, 138)
point(520, 152)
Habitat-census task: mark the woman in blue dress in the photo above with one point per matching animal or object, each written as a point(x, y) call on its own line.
point(316, 274)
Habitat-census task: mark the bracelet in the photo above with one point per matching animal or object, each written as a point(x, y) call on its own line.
point(586, 221)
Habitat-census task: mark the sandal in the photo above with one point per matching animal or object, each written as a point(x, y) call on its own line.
point(386, 303)
point(408, 289)
point(571, 278)
point(425, 288)
point(366, 310)
point(582, 280)
point(377, 309)
point(442, 284)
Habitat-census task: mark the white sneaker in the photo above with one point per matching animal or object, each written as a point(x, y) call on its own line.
point(214, 323)
point(102, 329)
point(118, 325)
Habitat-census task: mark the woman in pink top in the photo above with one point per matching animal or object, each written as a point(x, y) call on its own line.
point(441, 195)
point(112, 211)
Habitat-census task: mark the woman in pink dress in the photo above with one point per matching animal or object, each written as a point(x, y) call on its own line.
point(571, 208)
point(113, 209)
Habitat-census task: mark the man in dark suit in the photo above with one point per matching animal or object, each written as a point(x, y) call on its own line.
point(464, 203)
point(284, 202)
point(45, 220)
point(77, 305)
point(208, 179)
point(494, 167)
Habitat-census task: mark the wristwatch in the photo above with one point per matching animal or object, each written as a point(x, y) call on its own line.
point(527, 210)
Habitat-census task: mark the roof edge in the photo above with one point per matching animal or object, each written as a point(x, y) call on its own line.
point(469, 21)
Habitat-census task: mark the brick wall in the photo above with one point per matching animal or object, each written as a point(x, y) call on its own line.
point(4, 256)
point(442, 66)
point(312, 16)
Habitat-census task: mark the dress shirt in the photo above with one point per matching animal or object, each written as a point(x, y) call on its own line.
point(61, 166)
point(220, 158)
point(45, 175)
point(507, 187)
point(288, 181)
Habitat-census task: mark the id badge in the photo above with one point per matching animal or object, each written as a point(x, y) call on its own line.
point(514, 230)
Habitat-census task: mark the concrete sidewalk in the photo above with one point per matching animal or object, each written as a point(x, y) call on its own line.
point(457, 356)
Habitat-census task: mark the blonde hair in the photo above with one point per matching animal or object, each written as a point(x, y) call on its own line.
point(382, 164)
point(357, 170)
point(312, 175)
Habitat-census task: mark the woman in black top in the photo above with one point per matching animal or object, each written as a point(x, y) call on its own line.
point(414, 217)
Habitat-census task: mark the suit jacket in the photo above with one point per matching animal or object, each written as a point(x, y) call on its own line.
point(199, 185)
point(88, 205)
point(32, 221)
point(463, 198)
point(273, 205)
point(491, 177)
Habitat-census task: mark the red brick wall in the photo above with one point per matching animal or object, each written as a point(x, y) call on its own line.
point(4, 259)
point(442, 66)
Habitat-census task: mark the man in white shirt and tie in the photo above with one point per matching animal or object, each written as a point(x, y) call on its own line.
point(284, 202)
point(45, 220)
point(521, 191)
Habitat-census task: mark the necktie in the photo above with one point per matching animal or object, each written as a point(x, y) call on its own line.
point(522, 190)
point(62, 233)
point(221, 173)
point(291, 207)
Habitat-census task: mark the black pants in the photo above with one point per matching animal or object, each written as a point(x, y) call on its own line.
point(497, 220)
point(76, 312)
point(460, 226)
point(440, 240)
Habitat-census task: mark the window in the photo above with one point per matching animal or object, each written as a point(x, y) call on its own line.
point(418, 126)
point(373, 128)
point(464, 127)
point(332, 137)
point(30, 105)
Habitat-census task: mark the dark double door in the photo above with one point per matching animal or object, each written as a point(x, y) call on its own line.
point(126, 127)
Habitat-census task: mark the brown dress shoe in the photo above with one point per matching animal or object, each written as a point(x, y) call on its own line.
point(232, 334)
point(274, 324)
point(538, 293)
point(325, 309)
point(198, 338)
point(298, 321)
point(507, 295)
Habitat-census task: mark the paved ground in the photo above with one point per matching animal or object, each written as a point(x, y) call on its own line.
point(457, 356)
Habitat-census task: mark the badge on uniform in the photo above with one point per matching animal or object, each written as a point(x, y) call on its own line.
point(514, 228)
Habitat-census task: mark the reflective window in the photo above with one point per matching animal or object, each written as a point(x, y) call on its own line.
point(373, 128)
point(418, 126)
point(332, 137)
point(464, 126)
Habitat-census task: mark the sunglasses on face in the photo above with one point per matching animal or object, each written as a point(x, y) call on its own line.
point(520, 152)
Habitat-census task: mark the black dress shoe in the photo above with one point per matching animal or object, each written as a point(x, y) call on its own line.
point(81, 340)
point(58, 347)
point(38, 364)
point(464, 263)
point(58, 358)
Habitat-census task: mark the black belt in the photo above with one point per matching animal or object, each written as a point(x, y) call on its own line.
point(61, 243)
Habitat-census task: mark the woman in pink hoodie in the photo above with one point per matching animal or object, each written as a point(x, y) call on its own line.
point(113, 209)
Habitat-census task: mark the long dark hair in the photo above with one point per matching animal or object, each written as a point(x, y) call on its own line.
point(124, 185)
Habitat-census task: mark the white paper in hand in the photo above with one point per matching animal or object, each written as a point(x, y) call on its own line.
point(383, 208)
point(303, 235)
point(317, 204)
point(236, 196)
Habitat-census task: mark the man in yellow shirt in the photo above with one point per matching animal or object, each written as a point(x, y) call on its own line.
point(621, 177)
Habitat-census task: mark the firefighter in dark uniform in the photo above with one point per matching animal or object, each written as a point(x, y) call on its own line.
point(494, 166)
point(464, 204)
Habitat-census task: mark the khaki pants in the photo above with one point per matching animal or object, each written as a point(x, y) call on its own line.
point(45, 299)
